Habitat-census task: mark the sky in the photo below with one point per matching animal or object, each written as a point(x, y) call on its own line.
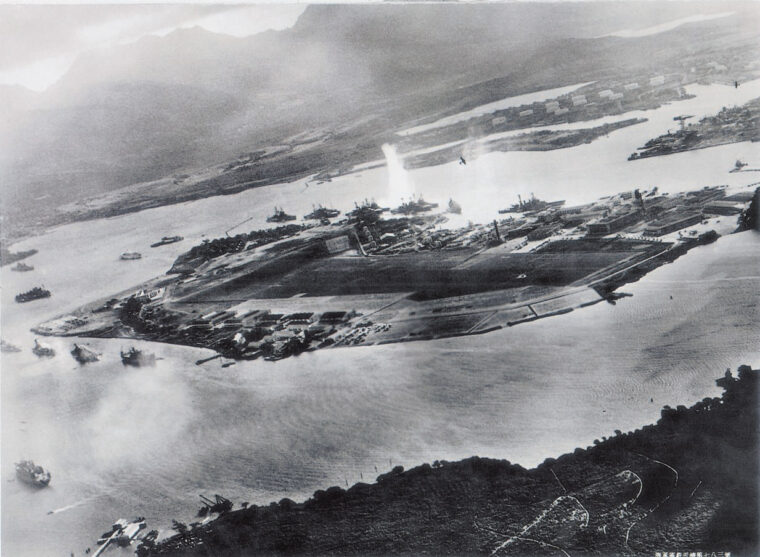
point(38, 44)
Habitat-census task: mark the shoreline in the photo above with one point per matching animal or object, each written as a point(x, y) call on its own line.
point(615, 496)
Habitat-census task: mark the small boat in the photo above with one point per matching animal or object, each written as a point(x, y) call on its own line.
point(35, 293)
point(454, 207)
point(167, 240)
point(137, 358)
point(130, 256)
point(84, 355)
point(42, 350)
point(21, 267)
point(31, 474)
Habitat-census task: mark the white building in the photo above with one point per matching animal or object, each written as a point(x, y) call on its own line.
point(579, 100)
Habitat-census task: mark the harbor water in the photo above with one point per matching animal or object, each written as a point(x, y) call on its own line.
point(122, 442)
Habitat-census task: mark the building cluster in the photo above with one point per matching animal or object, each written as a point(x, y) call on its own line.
point(593, 101)
point(728, 126)
point(644, 213)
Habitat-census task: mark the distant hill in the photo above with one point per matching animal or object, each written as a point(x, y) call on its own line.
point(144, 110)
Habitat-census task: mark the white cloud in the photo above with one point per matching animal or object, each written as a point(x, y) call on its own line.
point(248, 20)
point(123, 25)
point(667, 26)
point(38, 75)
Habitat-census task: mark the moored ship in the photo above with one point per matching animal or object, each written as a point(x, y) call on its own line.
point(532, 204)
point(368, 211)
point(35, 293)
point(137, 358)
point(31, 474)
point(454, 207)
point(84, 355)
point(321, 213)
point(7, 347)
point(22, 267)
point(280, 216)
point(167, 240)
point(414, 206)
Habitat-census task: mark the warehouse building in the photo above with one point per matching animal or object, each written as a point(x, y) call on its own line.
point(613, 223)
point(668, 225)
point(723, 207)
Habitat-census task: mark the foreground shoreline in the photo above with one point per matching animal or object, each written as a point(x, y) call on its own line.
point(670, 486)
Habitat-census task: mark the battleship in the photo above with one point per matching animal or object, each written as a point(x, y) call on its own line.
point(532, 204)
point(167, 240)
point(137, 358)
point(130, 256)
point(280, 216)
point(35, 293)
point(368, 211)
point(321, 213)
point(31, 474)
point(84, 355)
point(414, 206)
point(42, 350)
point(22, 267)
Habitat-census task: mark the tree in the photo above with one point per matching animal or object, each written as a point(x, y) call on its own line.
point(179, 527)
point(749, 219)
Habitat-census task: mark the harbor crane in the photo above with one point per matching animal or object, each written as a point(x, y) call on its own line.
point(682, 119)
point(226, 232)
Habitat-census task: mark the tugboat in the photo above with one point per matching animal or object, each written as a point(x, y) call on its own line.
point(280, 216)
point(414, 206)
point(84, 355)
point(454, 207)
point(22, 267)
point(35, 293)
point(31, 474)
point(42, 350)
point(130, 256)
point(321, 213)
point(738, 165)
point(136, 358)
point(167, 240)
